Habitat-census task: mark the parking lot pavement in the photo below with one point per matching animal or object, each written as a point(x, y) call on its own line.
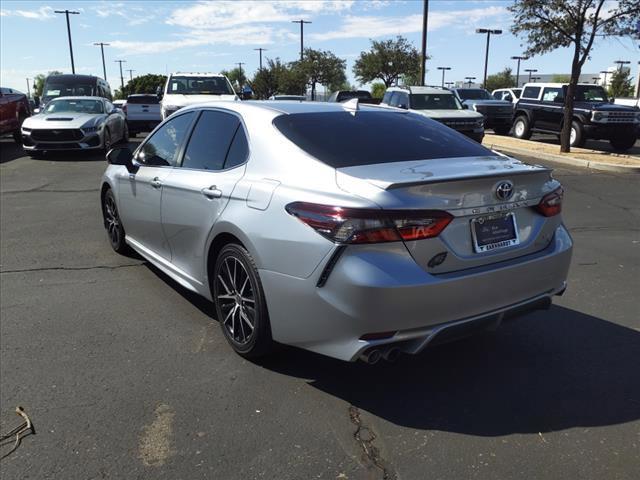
point(126, 375)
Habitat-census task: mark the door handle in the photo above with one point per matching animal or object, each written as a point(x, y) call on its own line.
point(211, 192)
point(156, 183)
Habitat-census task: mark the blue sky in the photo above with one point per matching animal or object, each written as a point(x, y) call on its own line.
point(160, 37)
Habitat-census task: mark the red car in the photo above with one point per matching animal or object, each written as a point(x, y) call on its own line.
point(14, 108)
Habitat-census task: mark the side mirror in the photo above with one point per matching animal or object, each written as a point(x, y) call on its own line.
point(465, 106)
point(403, 105)
point(114, 110)
point(122, 156)
point(159, 92)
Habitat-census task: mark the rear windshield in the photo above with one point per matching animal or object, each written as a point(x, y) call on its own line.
point(146, 99)
point(474, 94)
point(342, 139)
point(349, 95)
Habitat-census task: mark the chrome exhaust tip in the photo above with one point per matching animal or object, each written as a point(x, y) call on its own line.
point(371, 356)
point(391, 354)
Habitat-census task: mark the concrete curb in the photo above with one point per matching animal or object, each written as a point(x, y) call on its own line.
point(574, 162)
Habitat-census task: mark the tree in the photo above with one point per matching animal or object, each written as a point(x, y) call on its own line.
point(561, 78)
point(550, 24)
point(503, 79)
point(620, 84)
point(387, 61)
point(323, 67)
point(148, 83)
point(38, 82)
point(378, 89)
point(277, 77)
point(237, 78)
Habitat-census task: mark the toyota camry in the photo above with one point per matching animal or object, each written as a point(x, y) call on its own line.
point(74, 123)
point(350, 230)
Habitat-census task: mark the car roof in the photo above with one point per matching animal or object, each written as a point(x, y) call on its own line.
point(420, 89)
point(556, 85)
point(289, 106)
point(78, 97)
point(65, 76)
point(198, 74)
point(142, 95)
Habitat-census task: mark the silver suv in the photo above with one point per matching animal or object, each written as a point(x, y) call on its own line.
point(439, 104)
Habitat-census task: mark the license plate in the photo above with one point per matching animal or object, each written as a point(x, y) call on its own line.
point(494, 232)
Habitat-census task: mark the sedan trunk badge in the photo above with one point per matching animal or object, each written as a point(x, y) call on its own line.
point(504, 190)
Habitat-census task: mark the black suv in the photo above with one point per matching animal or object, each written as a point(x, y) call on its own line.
point(541, 109)
point(498, 114)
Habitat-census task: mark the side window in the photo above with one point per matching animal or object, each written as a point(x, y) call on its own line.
point(239, 149)
point(162, 148)
point(209, 143)
point(550, 94)
point(386, 98)
point(395, 99)
point(531, 92)
point(497, 95)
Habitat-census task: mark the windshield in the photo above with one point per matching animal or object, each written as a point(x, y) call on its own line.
point(435, 101)
point(474, 94)
point(588, 93)
point(52, 90)
point(342, 139)
point(200, 86)
point(76, 106)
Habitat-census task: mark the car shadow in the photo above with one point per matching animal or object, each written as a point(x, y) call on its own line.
point(9, 150)
point(547, 371)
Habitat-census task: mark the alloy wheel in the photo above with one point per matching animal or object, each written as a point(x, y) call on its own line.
point(519, 128)
point(236, 298)
point(112, 219)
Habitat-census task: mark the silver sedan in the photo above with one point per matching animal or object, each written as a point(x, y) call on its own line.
point(354, 231)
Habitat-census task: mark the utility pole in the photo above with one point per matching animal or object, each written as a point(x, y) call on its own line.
point(595, 79)
point(423, 58)
point(530, 70)
point(444, 69)
point(301, 22)
point(67, 13)
point(130, 74)
point(104, 67)
point(488, 31)
point(469, 81)
point(535, 79)
point(606, 72)
point(621, 63)
point(449, 84)
point(260, 50)
point(121, 77)
point(28, 91)
point(518, 58)
point(240, 77)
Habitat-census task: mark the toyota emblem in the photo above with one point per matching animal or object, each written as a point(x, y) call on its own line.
point(504, 190)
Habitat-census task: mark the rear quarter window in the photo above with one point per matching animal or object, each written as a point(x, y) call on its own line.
point(341, 139)
point(531, 92)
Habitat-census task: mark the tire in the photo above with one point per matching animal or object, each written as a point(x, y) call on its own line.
point(577, 137)
point(106, 142)
point(113, 224)
point(622, 144)
point(236, 287)
point(521, 128)
point(503, 130)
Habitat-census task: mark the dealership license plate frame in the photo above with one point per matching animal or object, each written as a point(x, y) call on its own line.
point(506, 242)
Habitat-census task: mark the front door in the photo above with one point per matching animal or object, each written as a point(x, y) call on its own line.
point(552, 109)
point(140, 194)
point(199, 188)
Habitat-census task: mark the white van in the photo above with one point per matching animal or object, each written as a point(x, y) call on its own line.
point(187, 88)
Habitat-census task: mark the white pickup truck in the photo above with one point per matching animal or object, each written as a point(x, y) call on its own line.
point(183, 89)
point(143, 112)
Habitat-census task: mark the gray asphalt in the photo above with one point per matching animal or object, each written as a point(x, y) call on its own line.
point(127, 375)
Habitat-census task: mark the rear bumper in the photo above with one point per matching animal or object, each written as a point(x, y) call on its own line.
point(142, 125)
point(382, 289)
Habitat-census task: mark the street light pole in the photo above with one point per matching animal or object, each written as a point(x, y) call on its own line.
point(605, 77)
point(104, 67)
point(488, 31)
point(621, 63)
point(121, 77)
point(301, 22)
point(28, 91)
point(67, 13)
point(260, 50)
point(469, 81)
point(444, 69)
point(423, 57)
point(241, 74)
point(530, 71)
point(535, 79)
point(518, 58)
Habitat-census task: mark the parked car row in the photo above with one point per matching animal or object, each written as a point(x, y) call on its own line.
point(14, 109)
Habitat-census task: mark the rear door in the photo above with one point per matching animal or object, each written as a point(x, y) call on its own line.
point(140, 193)
point(199, 188)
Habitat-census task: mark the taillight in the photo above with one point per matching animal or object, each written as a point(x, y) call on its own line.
point(551, 203)
point(359, 225)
